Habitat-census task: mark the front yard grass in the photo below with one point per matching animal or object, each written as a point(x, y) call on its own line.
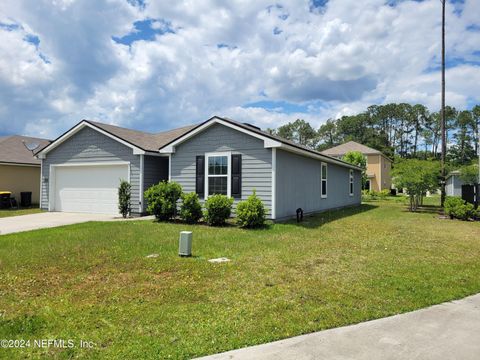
point(93, 282)
point(20, 211)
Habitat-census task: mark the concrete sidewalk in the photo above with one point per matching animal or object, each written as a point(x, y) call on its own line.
point(446, 331)
point(13, 224)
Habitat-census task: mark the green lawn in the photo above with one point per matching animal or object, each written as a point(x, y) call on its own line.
point(92, 281)
point(17, 212)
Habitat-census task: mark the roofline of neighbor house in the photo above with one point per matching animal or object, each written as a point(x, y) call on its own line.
point(11, 163)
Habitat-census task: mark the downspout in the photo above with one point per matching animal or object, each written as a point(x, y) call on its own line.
point(274, 183)
point(41, 181)
point(142, 165)
point(169, 167)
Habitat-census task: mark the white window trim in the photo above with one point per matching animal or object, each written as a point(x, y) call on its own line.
point(322, 180)
point(228, 154)
point(351, 183)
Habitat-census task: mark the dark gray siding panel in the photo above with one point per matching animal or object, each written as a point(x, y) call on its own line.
point(256, 160)
point(298, 185)
point(90, 145)
point(155, 169)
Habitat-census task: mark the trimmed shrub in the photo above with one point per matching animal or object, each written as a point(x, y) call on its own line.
point(124, 196)
point(162, 199)
point(191, 209)
point(458, 208)
point(217, 209)
point(251, 212)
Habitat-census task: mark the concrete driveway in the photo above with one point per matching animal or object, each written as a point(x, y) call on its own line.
point(20, 223)
point(446, 331)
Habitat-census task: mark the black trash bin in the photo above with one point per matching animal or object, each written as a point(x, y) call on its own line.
point(26, 198)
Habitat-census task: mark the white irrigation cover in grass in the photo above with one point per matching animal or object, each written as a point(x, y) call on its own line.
point(219, 260)
point(152, 256)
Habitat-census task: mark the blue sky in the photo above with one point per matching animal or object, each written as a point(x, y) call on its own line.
point(155, 65)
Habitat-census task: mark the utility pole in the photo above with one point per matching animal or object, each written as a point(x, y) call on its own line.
point(443, 124)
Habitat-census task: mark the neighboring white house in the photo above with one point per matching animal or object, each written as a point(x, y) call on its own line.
point(453, 186)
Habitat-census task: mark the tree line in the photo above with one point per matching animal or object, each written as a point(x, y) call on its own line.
point(398, 130)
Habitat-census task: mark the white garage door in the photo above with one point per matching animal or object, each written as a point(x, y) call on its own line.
point(88, 189)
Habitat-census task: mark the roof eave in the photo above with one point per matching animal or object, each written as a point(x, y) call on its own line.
point(137, 150)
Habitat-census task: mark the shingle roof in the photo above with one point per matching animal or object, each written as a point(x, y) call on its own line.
point(154, 142)
point(145, 141)
point(271, 136)
point(13, 150)
point(350, 146)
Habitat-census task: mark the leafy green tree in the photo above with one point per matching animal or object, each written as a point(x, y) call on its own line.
point(417, 177)
point(476, 127)
point(469, 174)
point(462, 152)
point(327, 135)
point(300, 132)
point(358, 159)
point(404, 130)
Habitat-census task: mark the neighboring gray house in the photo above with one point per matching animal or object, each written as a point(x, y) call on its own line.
point(453, 185)
point(81, 169)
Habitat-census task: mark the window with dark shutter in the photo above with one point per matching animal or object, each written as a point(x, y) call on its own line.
point(236, 176)
point(200, 176)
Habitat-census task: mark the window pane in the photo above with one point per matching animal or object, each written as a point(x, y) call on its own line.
point(211, 161)
point(324, 172)
point(324, 188)
point(217, 165)
point(224, 165)
point(351, 188)
point(217, 185)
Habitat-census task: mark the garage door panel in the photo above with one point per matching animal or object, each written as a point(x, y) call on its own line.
point(92, 189)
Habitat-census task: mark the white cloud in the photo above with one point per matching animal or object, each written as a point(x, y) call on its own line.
point(223, 55)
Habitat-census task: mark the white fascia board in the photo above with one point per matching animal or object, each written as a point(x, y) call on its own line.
point(326, 159)
point(77, 128)
point(267, 142)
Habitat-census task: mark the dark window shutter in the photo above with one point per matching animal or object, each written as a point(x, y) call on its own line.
point(200, 176)
point(237, 176)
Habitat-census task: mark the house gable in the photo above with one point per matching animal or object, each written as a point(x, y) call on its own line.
point(79, 127)
point(217, 138)
point(170, 148)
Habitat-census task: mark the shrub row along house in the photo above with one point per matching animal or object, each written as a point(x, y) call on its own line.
point(82, 168)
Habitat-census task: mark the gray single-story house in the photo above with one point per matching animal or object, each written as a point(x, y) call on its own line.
point(453, 184)
point(82, 168)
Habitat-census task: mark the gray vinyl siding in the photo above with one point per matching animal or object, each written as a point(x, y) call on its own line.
point(256, 160)
point(454, 186)
point(155, 169)
point(90, 145)
point(298, 185)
